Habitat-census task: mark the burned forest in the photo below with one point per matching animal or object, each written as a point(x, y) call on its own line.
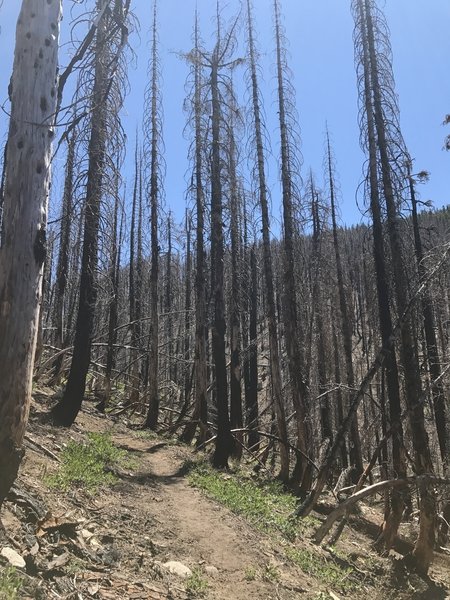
point(194, 309)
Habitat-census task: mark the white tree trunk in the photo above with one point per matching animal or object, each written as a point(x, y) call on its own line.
point(33, 96)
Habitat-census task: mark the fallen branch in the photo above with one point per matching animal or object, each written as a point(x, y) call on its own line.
point(275, 438)
point(369, 491)
point(33, 443)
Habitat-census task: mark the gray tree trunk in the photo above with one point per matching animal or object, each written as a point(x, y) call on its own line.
point(22, 254)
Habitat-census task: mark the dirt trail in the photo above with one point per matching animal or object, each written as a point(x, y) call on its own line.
point(113, 545)
point(205, 534)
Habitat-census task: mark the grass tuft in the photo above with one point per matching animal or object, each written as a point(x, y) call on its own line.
point(86, 465)
point(322, 569)
point(10, 584)
point(196, 585)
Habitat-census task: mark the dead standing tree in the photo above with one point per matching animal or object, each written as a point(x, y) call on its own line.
point(152, 144)
point(195, 105)
point(261, 189)
point(290, 181)
point(219, 60)
point(381, 105)
point(33, 95)
point(346, 323)
point(106, 100)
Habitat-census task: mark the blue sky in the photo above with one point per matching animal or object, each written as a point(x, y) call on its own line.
point(321, 49)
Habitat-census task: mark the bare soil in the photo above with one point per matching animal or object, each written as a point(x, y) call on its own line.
point(113, 545)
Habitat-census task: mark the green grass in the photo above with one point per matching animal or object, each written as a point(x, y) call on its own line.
point(271, 573)
point(250, 574)
point(196, 585)
point(268, 507)
point(86, 464)
point(322, 569)
point(10, 584)
point(263, 503)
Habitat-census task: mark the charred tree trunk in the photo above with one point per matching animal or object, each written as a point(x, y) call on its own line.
point(63, 258)
point(433, 359)
point(66, 411)
point(355, 448)
point(224, 440)
point(289, 292)
point(154, 196)
point(251, 392)
point(200, 413)
point(171, 363)
point(236, 418)
point(267, 253)
point(135, 278)
point(113, 308)
point(423, 550)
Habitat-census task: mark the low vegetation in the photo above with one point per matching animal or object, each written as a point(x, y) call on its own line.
point(268, 508)
point(10, 584)
point(196, 585)
point(88, 464)
point(263, 503)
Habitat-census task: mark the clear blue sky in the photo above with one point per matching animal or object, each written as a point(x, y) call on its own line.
point(321, 48)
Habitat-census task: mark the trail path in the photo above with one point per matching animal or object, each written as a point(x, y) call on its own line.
point(199, 533)
point(115, 545)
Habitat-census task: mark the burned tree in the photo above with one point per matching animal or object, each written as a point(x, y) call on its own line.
point(262, 194)
point(152, 142)
point(106, 100)
point(373, 55)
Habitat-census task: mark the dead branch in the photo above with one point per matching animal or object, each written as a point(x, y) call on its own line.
point(369, 491)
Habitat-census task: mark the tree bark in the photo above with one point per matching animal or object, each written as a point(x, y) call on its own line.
point(224, 440)
point(23, 245)
point(66, 411)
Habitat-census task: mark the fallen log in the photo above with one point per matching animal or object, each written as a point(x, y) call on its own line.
point(342, 509)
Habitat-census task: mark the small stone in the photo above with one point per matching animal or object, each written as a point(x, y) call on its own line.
point(211, 570)
point(86, 534)
point(177, 568)
point(13, 558)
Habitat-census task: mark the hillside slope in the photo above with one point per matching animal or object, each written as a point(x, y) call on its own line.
point(125, 538)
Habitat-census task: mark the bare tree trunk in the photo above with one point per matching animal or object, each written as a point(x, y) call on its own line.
point(170, 362)
point(23, 246)
point(394, 512)
point(433, 359)
point(113, 309)
point(63, 257)
point(135, 278)
point(236, 417)
point(200, 414)
point(346, 322)
point(289, 292)
point(224, 440)
point(423, 550)
point(268, 269)
point(66, 411)
point(251, 393)
point(153, 133)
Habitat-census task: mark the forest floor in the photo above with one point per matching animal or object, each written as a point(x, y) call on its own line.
point(149, 534)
